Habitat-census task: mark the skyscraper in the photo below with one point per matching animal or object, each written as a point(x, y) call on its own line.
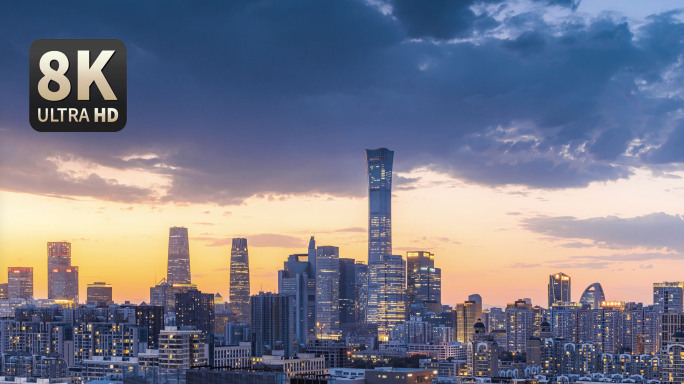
point(59, 255)
point(559, 288)
point(387, 294)
point(361, 291)
point(194, 308)
point(64, 283)
point(668, 297)
point(273, 324)
point(593, 296)
point(423, 280)
point(379, 163)
point(178, 269)
point(239, 280)
point(297, 278)
point(327, 291)
point(20, 282)
point(347, 291)
point(466, 315)
point(99, 293)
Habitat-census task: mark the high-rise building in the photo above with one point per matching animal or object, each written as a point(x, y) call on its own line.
point(178, 268)
point(482, 353)
point(327, 291)
point(347, 288)
point(297, 278)
point(423, 280)
point(673, 360)
point(3, 291)
point(466, 315)
point(387, 294)
point(361, 291)
point(520, 319)
point(668, 297)
point(273, 324)
point(59, 255)
point(99, 293)
point(20, 282)
point(593, 296)
point(559, 288)
point(64, 282)
point(379, 163)
point(239, 280)
point(180, 350)
point(150, 320)
point(195, 309)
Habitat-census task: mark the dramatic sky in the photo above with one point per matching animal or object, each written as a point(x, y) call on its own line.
point(530, 137)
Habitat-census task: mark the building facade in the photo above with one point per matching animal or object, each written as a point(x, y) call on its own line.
point(239, 280)
point(379, 162)
point(327, 291)
point(178, 267)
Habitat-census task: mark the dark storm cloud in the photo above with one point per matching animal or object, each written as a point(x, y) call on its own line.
point(242, 98)
point(653, 231)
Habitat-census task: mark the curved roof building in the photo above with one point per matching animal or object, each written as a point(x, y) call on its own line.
point(593, 296)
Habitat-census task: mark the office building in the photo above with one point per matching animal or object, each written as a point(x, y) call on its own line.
point(195, 309)
point(379, 162)
point(388, 375)
point(64, 282)
point(150, 321)
point(233, 356)
point(327, 291)
point(466, 315)
point(99, 293)
point(360, 291)
point(58, 255)
point(180, 349)
point(593, 296)
point(423, 280)
point(386, 294)
point(667, 297)
point(559, 289)
point(297, 278)
point(273, 324)
point(347, 288)
point(178, 267)
point(3, 291)
point(20, 282)
point(239, 280)
point(334, 352)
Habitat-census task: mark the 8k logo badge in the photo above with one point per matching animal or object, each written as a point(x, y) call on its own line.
point(77, 85)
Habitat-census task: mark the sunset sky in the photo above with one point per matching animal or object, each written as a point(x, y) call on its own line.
point(530, 137)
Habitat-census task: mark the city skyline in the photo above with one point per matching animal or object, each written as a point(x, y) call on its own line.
point(511, 164)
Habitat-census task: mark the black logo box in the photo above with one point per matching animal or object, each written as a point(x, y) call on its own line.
point(114, 71)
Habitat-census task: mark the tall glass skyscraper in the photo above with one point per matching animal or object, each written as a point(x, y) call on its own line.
point(62, 276)
point(178, 267)
point(423, 280)
point(387, 294)
point(239, 280)
point(379, 203)
point(327, 291)
point(559, 288)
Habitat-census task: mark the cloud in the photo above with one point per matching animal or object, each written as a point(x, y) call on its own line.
point(652, 231)
point(276, 240)
point(257, 240)
point(524, 265)
point(292, 94)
